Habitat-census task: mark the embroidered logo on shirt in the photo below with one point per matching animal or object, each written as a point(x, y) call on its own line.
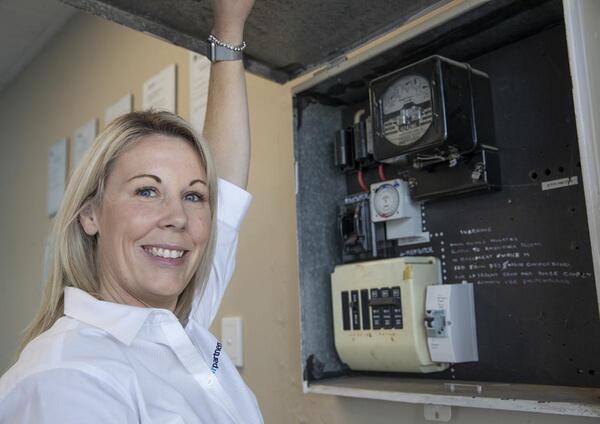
point(215, 364)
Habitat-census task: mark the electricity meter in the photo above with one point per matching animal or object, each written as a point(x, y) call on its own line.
point(435, 105)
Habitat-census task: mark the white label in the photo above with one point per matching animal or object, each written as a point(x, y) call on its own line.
point(159, 92)
point(57, 174)
point(561, 182)
point(199, 77)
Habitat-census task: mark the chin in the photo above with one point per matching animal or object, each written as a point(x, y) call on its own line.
point(166, 290)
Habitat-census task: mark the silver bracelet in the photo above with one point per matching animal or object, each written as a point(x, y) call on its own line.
point(227, 45)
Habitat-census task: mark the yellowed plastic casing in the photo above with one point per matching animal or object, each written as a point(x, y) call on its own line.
point(398, 350)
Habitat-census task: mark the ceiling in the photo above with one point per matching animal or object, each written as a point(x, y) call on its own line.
point(25, 27)
point(286, 38)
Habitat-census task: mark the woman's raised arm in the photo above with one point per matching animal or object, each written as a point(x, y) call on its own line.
point(226, 125)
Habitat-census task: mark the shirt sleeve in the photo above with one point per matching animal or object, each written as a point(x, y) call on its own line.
point(65, 396)
point(231, 210)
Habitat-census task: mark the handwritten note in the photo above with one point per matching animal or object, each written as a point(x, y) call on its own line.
point(120, 107)
point(84, 137)
point(57, 175)
point(199, 77)
point(159, 92)
point(508, 261)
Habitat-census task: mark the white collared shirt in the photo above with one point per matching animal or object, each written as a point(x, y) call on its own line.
point(105, 362)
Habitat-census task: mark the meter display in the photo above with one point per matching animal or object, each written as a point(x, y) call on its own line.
point(407, 110)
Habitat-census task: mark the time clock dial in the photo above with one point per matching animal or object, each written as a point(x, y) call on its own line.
point(386, 200)
point(407, 113)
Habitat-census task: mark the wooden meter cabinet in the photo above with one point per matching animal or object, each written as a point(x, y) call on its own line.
point(525, 233)
point(463, 131)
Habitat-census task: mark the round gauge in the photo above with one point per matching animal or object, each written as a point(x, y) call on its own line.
point(407, 110)
point(386, 200)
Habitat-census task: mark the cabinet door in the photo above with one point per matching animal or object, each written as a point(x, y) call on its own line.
point(583, 40)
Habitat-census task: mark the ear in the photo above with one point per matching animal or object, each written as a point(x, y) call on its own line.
point(88, 220)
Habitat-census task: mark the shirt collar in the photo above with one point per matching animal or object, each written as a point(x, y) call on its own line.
point(121, 321)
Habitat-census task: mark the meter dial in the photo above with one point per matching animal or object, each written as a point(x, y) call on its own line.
point(386, 200)
point(407, 110)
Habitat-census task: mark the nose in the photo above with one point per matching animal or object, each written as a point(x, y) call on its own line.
point(174, 216)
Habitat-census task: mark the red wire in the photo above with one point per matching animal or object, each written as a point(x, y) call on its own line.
point(381, 174)
point(361, 182)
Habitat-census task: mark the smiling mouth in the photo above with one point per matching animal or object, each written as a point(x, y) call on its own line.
point(164, 253)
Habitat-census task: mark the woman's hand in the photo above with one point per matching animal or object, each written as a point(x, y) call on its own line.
point(229, 19)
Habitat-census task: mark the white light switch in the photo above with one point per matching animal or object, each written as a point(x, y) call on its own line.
point(232, 338)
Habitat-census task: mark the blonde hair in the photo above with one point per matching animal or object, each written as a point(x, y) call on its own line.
point(72, 259)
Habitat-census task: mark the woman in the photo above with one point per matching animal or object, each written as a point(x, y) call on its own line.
point(142, 258)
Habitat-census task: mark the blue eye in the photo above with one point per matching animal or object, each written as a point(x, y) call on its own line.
point(146, 192)
point(194, 197)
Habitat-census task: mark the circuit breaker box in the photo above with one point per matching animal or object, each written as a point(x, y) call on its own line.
point(450, 323)
point(379, 309)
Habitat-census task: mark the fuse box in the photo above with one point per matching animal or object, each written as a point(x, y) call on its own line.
point(378, 310)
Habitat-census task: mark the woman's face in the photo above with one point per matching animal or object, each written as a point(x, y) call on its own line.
point(153, 223)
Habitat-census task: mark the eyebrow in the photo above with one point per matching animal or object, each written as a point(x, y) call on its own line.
point(158, 180)
point(198, 181)
point(154, 177)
